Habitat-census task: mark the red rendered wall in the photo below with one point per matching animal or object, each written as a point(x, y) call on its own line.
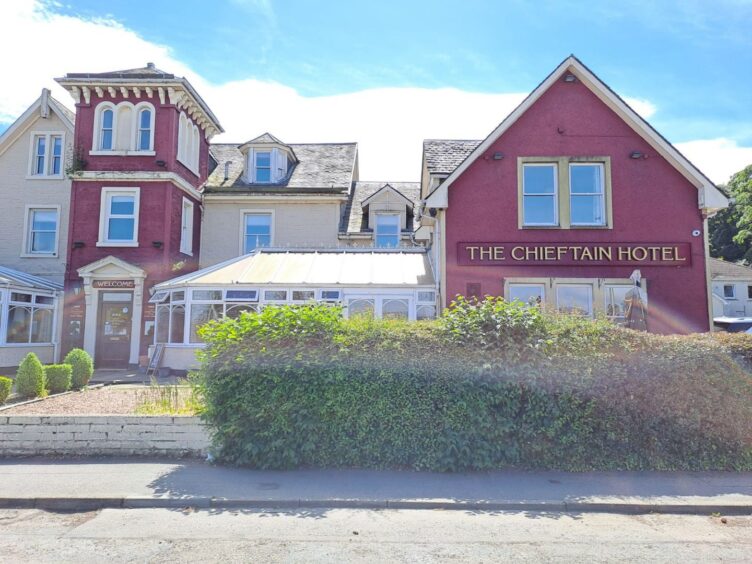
point(652, 203)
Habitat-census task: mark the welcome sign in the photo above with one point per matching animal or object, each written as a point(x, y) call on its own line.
point(574, 254)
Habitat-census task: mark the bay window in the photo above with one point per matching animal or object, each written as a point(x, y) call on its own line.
point(29, 318)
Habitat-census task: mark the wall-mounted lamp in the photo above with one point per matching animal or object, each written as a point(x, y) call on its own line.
point(432, 212)
point(78, 244)
point(157, 244)
point(569, 77)
point(498, 155)
point(161, 163)
point(637, 155)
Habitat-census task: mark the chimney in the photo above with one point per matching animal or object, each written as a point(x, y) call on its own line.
point(44, 106)
point(227, 170)
point(150, 66)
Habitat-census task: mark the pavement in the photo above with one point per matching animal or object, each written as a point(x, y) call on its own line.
point(94, 483)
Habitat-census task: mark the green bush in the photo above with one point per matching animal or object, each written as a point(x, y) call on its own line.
point(300, 386)
point(5, 386)
point(30, 382)
point(82, 365)
point(58, 377)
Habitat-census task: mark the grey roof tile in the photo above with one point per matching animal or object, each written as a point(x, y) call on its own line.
point(321, 167)
point(149, 71)
point(442, 156)
point(353, 219)
point(723, 269)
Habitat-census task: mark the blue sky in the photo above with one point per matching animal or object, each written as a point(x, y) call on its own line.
point(689, 61)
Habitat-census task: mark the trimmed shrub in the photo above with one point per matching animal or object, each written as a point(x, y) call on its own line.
point(30, 382)
point(59, 377)
point(5, 386)
point(82, 365)
point(300, 386)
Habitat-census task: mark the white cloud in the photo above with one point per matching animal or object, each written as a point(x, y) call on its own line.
point(389, 123)
point(718, 158)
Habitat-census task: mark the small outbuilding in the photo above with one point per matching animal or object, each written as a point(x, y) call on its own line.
point(381, 283)
point(732, 294)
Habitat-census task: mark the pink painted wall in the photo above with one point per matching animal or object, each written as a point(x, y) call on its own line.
point(160, 208)
point(652, 203)
point(165, 140)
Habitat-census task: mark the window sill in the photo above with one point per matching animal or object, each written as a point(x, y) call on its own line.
point(45, 177)
point(187, 253)
point(39, 255)
point(590, 227)
point(19, 345)
point(122, 153)
point(117, 244)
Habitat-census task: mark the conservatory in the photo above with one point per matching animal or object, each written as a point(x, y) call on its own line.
point(381, 283)
point(28, 317)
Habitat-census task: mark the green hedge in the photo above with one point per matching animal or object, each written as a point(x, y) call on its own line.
point(58, 377)
point(82, 365)
point(5, 386)
point(30, 382)
point(490, 385)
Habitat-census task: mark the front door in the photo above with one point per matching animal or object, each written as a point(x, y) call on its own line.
point(114, 329)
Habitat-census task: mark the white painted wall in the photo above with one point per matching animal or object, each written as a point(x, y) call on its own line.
point(18, 191)
point(739, 306)
point(295, 224)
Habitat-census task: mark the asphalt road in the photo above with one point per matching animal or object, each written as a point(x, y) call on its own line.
point(345, 535)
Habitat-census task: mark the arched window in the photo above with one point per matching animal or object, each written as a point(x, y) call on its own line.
point(196, 145)
point(144, 130)
point(105, 133)
point(124, 129)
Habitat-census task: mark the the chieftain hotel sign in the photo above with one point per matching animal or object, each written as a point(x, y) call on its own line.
point(574, 254)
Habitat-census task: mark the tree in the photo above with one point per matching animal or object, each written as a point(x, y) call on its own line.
point(730, 230)
point(740, 187)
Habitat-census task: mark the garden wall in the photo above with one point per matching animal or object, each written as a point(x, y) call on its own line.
point(102, 435)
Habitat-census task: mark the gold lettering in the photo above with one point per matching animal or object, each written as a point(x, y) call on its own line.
point(531, 251)
point(514, 254)
point(604, 253)
point(625, 253)
point(498, 253)
point(472, 252)
point(484, 252)
point(667, 253)
point(549, 253)
point(575, 252)
point(677, 257)
point(643, 252)
point(654, 252)
point(561, 251)
point(587, 254)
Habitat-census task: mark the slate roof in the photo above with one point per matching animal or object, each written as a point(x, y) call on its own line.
point(148, 72)
point(442, 156)
point(353, 219)
point(321, 168)
point(68, 114)
point(722, 269)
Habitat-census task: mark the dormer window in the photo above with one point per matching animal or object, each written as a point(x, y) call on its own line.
point(387, 232)
point(267, 160)
point(263, 166)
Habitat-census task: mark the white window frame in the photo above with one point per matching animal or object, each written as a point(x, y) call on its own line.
point(607, 286)
point(6, 303)
point(246, 212)
point(555, 195)
point(572, 195)
point(381, 215)
point(733, 291)
point(589, 286)
point(31, 173)
point(26, 251)
point(254, 161)
point(541, 285)
point(133, 148)
point(186, 227)
point(104, 215)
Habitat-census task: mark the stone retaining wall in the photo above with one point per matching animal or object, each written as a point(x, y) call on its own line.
point(102, 435)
